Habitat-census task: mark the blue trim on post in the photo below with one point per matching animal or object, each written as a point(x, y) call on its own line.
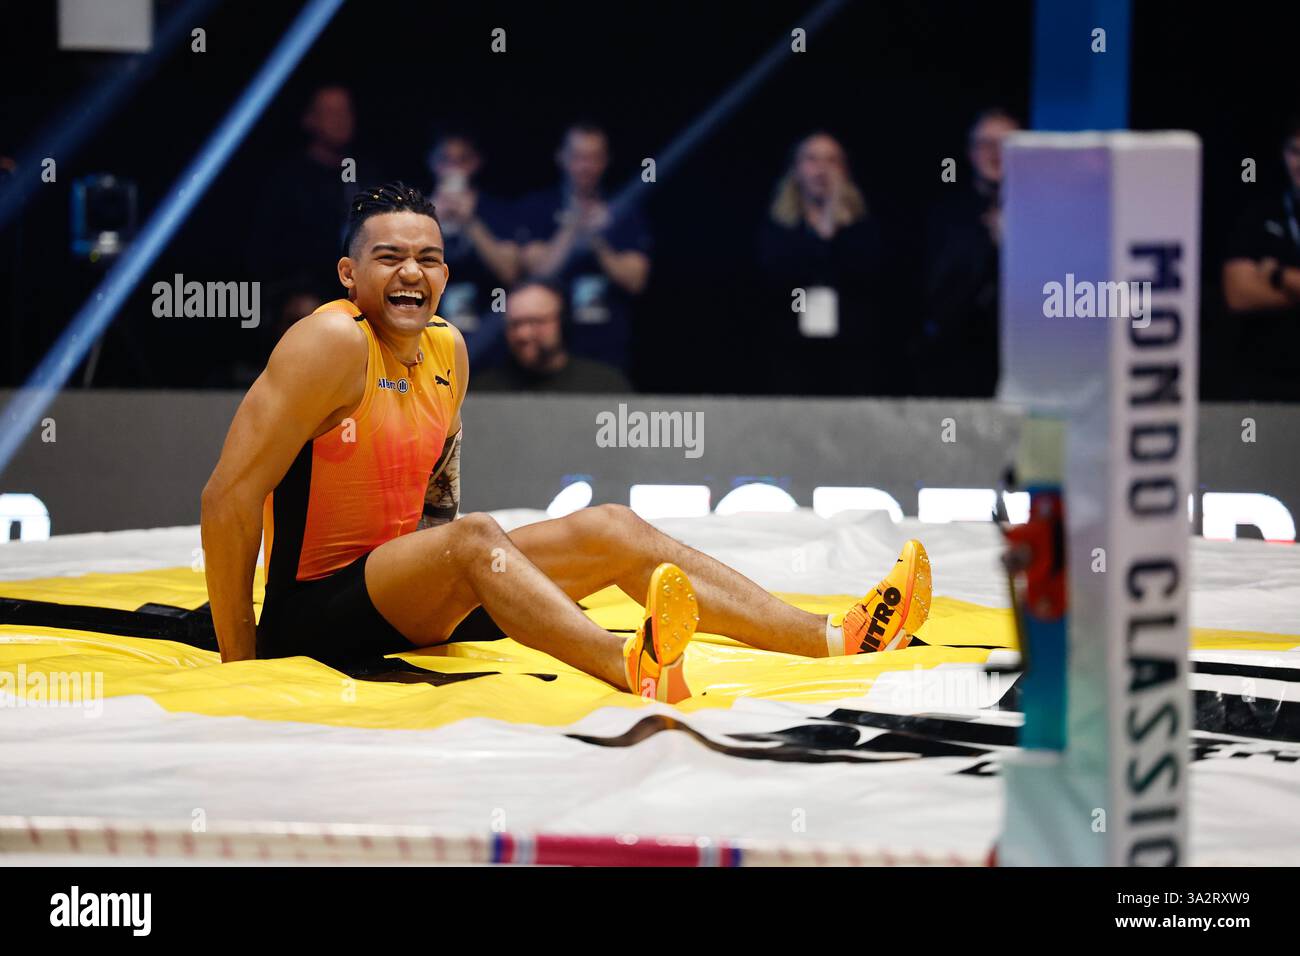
point(1044, 684)
point(1073, 87)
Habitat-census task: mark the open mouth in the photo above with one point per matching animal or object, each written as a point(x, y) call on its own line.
point(411, 299)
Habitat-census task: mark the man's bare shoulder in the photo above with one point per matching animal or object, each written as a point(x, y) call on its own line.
point(323, 338)
point(325, 351)
point(458, 341)
point(460, 353)
point(335, 328)
point(458, 345)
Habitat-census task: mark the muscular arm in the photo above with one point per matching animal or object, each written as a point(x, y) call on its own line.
point(442, 498)
point(314, 377)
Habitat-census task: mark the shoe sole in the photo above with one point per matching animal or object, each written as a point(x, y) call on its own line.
point(918, 564)
point(672, 613)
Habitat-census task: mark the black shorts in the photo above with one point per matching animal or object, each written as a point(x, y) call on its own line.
point(333, 620)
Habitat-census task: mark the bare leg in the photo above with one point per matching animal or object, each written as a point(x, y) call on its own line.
point(426, 582)
point(610, 544)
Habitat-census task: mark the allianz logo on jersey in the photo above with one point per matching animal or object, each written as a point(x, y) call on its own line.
point(401, 385)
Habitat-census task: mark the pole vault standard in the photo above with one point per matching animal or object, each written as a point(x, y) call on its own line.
point(1111, 425)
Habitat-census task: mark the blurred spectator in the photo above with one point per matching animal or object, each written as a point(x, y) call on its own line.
point(1261, 286)
point(538, 359)
point(475, 231)
point(600, 262)
point(298, 225)
point(819, 239)
point(958, 345)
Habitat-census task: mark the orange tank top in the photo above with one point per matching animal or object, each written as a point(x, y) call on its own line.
point(363, 482)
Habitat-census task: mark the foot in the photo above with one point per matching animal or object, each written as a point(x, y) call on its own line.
point(654, 658)
point(888, 616)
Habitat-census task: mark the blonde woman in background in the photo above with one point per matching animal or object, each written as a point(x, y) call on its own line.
point(818, 191)
point(821, 256)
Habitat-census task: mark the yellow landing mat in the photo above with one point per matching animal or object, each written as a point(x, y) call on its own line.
point(519, 684)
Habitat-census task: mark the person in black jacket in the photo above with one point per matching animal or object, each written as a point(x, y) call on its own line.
point(1261, 287)
point(821, 254)
point(958, 345)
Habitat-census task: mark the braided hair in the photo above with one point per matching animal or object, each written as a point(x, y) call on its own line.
point(377, 200)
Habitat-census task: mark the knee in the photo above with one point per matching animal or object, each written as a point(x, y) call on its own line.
point(605, 522)
point(615, 516)
point(478, 528)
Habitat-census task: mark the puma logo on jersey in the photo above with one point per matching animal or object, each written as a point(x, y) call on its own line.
point(442, 381)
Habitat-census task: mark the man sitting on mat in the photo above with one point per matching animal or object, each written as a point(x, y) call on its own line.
point(345, 453)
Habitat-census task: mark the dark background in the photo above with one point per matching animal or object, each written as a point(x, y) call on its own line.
point(897, 81)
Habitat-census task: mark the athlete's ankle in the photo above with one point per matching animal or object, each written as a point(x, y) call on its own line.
point(834, 638)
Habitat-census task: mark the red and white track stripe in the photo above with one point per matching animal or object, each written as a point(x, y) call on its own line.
point(275, 842)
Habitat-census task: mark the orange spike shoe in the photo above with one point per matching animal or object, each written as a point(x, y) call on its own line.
point(888, 616)
point(654, 658)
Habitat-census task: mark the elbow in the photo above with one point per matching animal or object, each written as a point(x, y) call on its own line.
point(639, 275)
point(1240, 286)
point(213, 502)
point(208, 505)
point(236, 501)
point(633, 277)
point(207, 502)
